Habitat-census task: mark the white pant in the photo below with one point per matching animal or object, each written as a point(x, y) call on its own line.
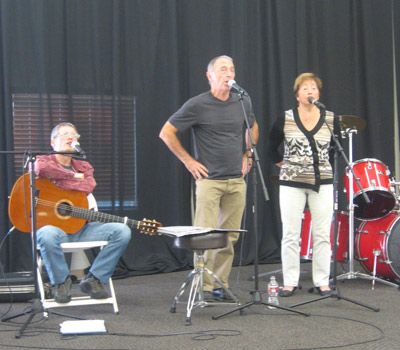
point(292, 203)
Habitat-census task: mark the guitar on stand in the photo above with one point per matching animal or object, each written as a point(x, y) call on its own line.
point(67, 210)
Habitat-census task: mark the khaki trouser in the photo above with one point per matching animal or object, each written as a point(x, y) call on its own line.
point(220, 204)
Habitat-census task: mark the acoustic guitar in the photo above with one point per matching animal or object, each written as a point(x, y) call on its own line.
point(67, 210)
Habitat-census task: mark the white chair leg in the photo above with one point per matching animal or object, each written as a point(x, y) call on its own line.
point(77, 247)
point(114, 298)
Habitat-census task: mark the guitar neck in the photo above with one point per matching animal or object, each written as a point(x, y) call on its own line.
point(102, 217)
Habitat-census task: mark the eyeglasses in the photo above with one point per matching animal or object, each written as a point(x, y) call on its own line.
point(67, 134)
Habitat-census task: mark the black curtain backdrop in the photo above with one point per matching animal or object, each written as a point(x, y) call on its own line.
point(158, 50)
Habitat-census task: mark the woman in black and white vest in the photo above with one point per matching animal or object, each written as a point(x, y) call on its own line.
point(306, 176)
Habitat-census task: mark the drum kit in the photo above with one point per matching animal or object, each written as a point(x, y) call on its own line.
point(377, 239)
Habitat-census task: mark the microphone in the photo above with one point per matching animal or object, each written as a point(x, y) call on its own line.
point(316, 103)
point(77, 147)
point(232, 84)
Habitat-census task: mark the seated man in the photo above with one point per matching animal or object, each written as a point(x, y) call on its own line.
point(71, 174)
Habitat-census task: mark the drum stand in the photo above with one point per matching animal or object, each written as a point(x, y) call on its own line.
point(352, 274)
point(334, 289)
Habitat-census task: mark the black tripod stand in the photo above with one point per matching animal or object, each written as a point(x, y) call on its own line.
point(37, 306)
point(335, 293)
point(256, 297)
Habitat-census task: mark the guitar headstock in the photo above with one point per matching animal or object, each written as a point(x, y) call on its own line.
point(149, 227)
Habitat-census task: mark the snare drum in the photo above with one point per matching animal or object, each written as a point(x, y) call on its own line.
point(374, 179)
point(380, 238)
point(342, 239)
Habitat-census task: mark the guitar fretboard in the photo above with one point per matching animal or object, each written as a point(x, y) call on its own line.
point(102, 217)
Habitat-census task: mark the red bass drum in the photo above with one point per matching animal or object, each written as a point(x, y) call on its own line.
point(342, 240)
point(381, 237)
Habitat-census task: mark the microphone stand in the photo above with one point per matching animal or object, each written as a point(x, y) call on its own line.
point(37, 305)
point(335, 293)
point(256, 297)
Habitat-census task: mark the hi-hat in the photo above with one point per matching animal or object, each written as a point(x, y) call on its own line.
point(351, 121)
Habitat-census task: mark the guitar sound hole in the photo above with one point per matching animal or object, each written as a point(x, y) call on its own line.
point(64, 209)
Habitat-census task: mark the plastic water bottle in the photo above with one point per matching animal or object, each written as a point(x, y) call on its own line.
point(273, 292)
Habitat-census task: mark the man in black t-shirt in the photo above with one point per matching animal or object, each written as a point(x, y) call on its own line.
point(219, 163)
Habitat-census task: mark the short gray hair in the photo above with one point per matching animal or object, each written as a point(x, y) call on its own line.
point(211, 64)
point(54, 132)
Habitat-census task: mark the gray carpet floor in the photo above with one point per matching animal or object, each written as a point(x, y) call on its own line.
point(145, 321)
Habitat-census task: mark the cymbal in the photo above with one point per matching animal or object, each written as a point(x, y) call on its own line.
point(351, 121)
point(274, 179)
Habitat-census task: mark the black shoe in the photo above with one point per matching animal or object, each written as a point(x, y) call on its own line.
point(92, 286)
point(220, 295)
point(208, 297)
point(324, 293)
point(287, 293)
point(63, 292)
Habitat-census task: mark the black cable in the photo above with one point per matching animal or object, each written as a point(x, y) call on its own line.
point(4, 275)
point(204, 335)
point(2, 242)
point(381, 336)
point(197, 335)
point(8, 233)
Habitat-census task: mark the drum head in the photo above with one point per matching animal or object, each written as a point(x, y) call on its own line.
point(393, 248)
point(381, 204)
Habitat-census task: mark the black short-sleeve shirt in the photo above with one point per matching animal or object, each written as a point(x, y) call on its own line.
point(218, 128)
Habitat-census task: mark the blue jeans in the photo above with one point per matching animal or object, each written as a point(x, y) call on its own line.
point(50, 238)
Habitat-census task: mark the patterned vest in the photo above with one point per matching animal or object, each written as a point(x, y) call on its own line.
point(306, 153)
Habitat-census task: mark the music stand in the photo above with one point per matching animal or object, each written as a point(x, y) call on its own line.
point(37, 306)
point(334, 289)
point(256, 297)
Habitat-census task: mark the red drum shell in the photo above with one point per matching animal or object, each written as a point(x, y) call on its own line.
point(306, 237)
point(381, 236)
point(342, 239)
point(374, 179)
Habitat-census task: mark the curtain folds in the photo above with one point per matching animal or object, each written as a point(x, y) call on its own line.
point(158, 51)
